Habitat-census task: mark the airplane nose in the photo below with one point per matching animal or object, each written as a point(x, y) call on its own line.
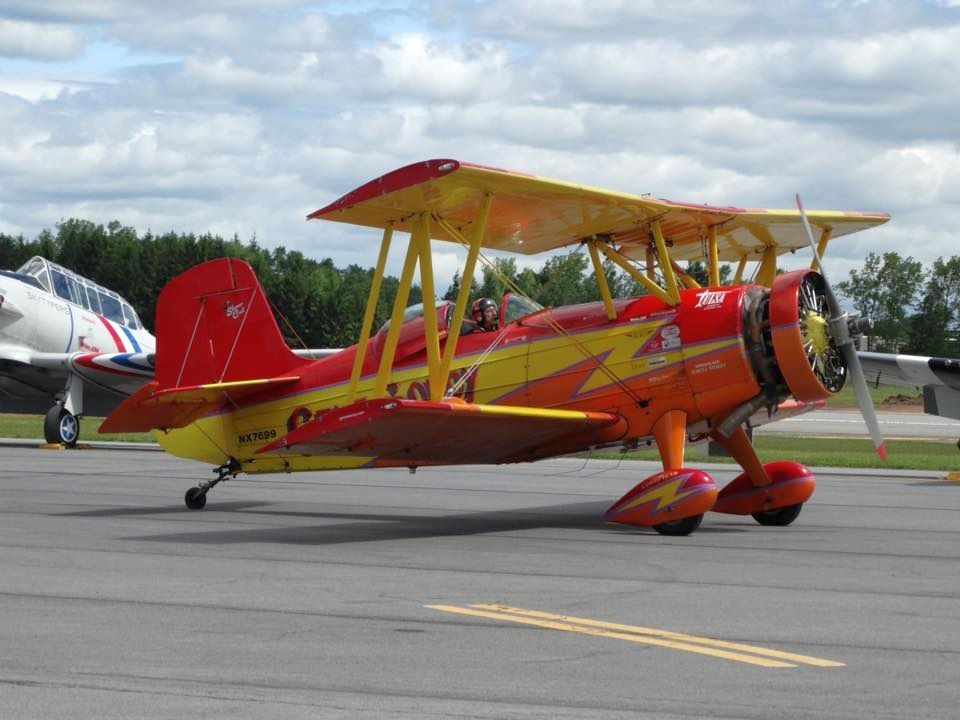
point(812, 365)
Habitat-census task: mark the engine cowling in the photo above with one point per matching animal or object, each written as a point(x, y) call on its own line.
point(810, 363)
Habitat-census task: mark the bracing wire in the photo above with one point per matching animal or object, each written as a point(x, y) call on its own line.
point(553, 324)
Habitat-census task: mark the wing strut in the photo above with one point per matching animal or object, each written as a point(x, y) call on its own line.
point(821, 249)
point(663, 257)
point(602, 284)
point(652, 287)
point(466, 281)
point(369, 313)
point(714, 258)
point(396, 320)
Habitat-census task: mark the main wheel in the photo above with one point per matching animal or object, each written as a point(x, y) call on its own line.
point(196, 498)
point(61, 427)
point(780, 517)
point(679, 527)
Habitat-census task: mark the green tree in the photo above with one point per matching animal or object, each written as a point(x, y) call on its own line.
point(928, 327)
point(884, 290)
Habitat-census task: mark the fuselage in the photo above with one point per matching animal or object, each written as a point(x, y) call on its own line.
point(35, 319)
point(694, 357)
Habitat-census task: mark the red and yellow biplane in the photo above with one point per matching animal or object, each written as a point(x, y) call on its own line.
point(681, 363)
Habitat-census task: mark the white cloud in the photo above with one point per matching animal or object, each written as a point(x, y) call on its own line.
point(263, 112)
point(39, 41)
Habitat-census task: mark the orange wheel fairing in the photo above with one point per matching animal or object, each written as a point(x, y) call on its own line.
point(811, 364)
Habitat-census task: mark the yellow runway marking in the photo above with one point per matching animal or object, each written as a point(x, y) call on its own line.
point(737, 652)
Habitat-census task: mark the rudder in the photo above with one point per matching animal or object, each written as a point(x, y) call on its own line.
point(214, 325)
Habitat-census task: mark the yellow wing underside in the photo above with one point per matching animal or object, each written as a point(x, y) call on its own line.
point(531, 214)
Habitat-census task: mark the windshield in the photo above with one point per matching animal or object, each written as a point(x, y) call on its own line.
point(412, 313)
point(517, 306)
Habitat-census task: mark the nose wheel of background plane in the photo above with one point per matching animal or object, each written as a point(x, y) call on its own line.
point(61, 427)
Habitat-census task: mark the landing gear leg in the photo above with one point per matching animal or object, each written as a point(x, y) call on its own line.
point(196, 497)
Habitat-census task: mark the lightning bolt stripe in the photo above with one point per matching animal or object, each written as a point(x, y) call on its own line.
point(664, 495)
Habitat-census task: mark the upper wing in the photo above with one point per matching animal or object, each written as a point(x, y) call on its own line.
point(938, 377)
point(531, 214)
point(415, 432)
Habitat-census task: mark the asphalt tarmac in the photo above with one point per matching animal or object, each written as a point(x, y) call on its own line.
point(492, 592)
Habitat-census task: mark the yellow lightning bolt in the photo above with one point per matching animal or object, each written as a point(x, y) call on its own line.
point(666, 494)
point(621, 363)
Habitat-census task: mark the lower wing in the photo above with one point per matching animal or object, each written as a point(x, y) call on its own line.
point(399, 432)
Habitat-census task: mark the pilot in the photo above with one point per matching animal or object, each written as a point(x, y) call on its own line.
point(485, 315)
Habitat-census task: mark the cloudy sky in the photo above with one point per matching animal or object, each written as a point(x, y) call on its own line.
point(242, 116)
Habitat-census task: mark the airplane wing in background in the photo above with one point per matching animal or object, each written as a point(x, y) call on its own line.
point(939, 378)
point(29, 379)
point(399, 432)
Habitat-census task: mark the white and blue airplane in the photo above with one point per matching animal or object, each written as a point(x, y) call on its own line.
point(68, 346)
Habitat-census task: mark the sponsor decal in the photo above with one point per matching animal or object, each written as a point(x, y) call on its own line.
point(670, 337)
point(710, 366)
point(257, 436)
point(44, 299)
point(233, 310)
point(711, 299)
point(84, 345)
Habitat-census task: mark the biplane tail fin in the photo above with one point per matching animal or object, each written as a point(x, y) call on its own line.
point(217, 342)
point(214, 325)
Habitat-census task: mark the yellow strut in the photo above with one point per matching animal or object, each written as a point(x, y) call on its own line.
point(714, 258)
point(738, 276)
point(463, 295)
point(768, 267)
point(686, 278)
point(396, 319)
point(664, 261)
point(421, 235)
point(369, 313)
point(821, 247)
point(602, 281)
point(649, 284)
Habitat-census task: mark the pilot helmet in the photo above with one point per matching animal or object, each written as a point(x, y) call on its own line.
point(480, 306)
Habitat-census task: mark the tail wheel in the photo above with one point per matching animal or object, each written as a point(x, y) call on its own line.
point(812, 365)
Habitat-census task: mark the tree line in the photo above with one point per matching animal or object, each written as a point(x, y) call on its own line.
point(318, 304)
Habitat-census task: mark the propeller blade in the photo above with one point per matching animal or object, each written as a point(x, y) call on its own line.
point(845, 343)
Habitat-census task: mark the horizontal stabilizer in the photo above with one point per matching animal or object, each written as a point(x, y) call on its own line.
point(415, 432)
point(154, 409)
